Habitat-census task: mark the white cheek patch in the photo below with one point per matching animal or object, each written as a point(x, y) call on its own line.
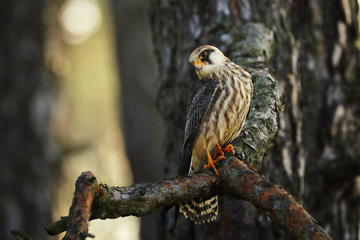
point(217, 58)
point(208, 68)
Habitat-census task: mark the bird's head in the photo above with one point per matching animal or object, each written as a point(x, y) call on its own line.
point(207, 59)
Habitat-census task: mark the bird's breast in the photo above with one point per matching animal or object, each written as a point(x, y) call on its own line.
point(225, 116)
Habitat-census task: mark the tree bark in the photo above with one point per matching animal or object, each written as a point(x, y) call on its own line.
point(316, 63)
point(25, 153)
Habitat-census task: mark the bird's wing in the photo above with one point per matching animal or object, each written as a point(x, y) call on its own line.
point(201, 98)
point(200, 102)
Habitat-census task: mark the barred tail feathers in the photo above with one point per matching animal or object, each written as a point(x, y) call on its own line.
point(200, 210)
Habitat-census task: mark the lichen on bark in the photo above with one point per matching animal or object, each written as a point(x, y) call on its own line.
point(253, 50)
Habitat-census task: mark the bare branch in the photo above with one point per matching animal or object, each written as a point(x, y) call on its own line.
point(236, 180)
point(78, 224)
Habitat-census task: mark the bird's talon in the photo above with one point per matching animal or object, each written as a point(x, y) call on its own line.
point(229, 148)
point(218, 159)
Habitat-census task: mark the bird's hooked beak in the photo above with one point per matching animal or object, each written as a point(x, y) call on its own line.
point(198, 65)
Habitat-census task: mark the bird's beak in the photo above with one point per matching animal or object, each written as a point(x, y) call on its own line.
point(198, 65)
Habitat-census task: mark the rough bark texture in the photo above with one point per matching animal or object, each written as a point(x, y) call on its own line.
point(236, 180)
point(87, 189)
point(25, 155)
point(310, 45)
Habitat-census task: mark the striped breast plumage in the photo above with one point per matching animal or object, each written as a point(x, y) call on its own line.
point(225, 116)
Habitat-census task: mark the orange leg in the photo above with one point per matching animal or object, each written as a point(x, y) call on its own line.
point(211, 162)
point(218, 151)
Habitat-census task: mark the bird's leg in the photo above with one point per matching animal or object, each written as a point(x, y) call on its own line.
point(218, 151)
point(211, 162)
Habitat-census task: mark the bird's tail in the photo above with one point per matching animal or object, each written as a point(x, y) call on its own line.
point(200, 210)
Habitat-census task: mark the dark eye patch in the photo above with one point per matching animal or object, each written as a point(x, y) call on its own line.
point(203, 54)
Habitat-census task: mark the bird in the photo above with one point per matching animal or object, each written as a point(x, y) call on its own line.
point(216, 114)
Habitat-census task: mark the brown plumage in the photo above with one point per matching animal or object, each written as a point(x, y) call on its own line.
point(216, 115)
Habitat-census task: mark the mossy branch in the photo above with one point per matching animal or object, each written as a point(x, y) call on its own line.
point(93, 200)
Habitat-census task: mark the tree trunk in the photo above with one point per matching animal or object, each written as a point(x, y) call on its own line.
point(140, 119)
point(25, 156)
point(316, 63)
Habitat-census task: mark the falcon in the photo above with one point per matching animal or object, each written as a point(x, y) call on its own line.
point(216, 115)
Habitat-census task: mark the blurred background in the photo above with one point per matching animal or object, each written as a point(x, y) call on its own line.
point(76, 94)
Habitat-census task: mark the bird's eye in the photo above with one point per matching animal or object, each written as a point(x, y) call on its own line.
point(203, 54)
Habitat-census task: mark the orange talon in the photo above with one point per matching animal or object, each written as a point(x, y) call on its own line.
point(211, 162)
point(218, 151)
point(219, 158)
point(229, 148)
